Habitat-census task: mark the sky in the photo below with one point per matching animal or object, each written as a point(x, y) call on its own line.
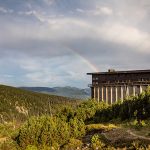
point(56, 42)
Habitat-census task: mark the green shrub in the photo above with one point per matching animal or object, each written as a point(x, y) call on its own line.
point(96, 143)
point(73, 144)
point(137, 107)
point(49, 131)
point(42, 131)
point(85, 111)
point(31, 147)
point(77, 128)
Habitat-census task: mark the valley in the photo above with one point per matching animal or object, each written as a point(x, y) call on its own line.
point(71, 92)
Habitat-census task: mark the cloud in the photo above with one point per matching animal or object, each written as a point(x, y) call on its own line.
point(50, 72)
point(52, 37)
point(98, 11)
point(102, 11)
point(4, 10)
point(49, 2)
point(52, 46)
point(80, 10)
point(127, 35)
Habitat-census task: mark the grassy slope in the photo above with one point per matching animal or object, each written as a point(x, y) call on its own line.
point(19, 104)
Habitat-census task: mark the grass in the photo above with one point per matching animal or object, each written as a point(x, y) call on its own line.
point(100, 127)
point(7, 129)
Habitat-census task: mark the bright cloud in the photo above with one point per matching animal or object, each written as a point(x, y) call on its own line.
point(103, 10)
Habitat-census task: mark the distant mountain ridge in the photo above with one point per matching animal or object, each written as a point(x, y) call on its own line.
point(67, 91)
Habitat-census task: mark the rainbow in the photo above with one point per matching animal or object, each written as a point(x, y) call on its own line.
point(85, 60)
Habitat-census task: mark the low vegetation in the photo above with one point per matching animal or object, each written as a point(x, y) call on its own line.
point(49, 131)
point(102, 127)
point(90, 125)
point(137, 107)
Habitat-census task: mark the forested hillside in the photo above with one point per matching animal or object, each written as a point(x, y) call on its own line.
point(18, 104)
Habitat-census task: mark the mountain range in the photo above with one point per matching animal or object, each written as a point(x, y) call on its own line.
point(71, 92)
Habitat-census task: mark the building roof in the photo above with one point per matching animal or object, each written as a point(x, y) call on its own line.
point(112, 71)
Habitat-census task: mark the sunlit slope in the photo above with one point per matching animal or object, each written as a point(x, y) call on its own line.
point(18, 104)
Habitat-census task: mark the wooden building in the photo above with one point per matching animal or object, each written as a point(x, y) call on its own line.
point(114, 85)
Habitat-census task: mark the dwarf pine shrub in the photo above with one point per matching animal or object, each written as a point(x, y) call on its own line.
point(137, 107)
point(49, 131)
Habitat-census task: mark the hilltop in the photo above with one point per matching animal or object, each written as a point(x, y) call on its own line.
point(20, 104)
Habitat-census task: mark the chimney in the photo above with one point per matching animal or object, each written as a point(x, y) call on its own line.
point(111, 70)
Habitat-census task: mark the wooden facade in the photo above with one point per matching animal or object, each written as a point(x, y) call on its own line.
point(114, 85)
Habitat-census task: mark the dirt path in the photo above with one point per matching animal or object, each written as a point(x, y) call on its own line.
point(138, 136)
point(118, 134)
point(115, 136)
